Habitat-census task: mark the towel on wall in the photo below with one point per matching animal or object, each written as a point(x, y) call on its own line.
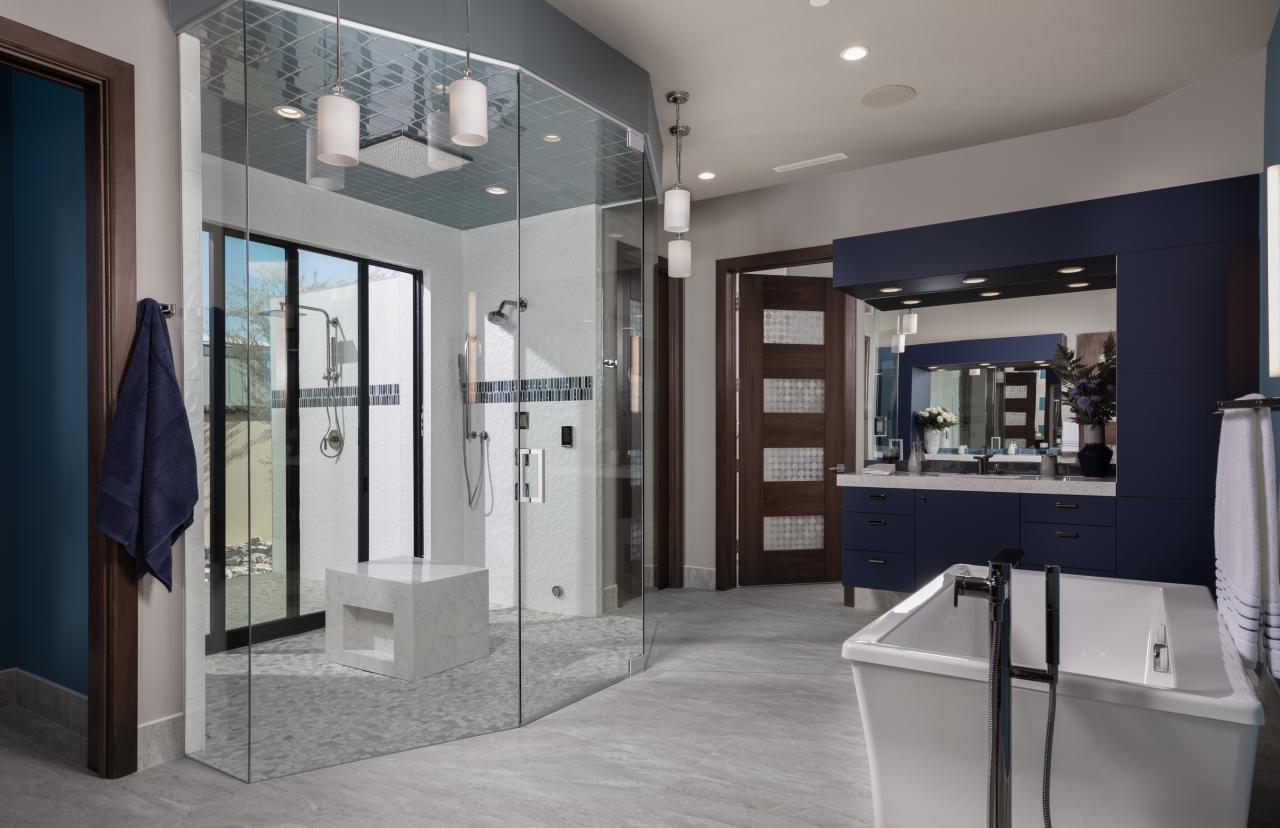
point(148, 490)
point(1246, 544)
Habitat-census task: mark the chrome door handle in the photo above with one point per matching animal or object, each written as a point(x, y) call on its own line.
point(530, 476)
point(838, 468)
point(1067, 535)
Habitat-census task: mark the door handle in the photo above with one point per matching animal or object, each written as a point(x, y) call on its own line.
point(530, 476)
point(878, 497)
point(1066, 505)
point(838, 468)
point(1067, 535)
point(876, 561)
point(877, 523)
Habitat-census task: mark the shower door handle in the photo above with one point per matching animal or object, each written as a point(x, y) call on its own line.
point(530, 475)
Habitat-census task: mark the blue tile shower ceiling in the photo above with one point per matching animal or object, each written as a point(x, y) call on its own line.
point(269, 56)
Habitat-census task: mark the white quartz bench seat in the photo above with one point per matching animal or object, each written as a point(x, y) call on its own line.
point(407, 617)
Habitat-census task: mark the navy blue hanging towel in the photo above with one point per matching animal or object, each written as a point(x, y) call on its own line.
point(148, 489)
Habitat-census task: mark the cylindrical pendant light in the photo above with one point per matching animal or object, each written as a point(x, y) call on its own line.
point(338, 117)
point(908, 323)
point(676, 201)
point(469, 104)
point(898, 344)
point(320, 175)
point(675, 210)
point(679, 258)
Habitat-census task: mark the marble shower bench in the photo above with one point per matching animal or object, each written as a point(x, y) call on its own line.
point(407, 617)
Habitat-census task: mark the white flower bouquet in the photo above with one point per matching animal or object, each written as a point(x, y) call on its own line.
point(936, 418)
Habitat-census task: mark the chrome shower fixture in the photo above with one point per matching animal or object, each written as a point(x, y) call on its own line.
point(500, 317)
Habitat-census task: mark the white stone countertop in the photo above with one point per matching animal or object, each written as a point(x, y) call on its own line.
point(981, 483)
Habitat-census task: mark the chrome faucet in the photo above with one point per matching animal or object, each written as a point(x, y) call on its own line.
point(996, 589)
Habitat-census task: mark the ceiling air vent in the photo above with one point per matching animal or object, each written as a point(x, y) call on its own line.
point(812, 162)
point(409, 155)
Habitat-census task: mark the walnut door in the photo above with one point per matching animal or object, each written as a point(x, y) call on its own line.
point(795, 399)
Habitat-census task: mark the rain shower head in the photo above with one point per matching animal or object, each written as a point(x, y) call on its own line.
point(500, 317)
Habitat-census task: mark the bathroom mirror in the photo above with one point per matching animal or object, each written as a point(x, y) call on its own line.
point(987, 362)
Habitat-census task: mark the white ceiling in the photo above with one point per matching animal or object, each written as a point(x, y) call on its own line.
point(768, 87)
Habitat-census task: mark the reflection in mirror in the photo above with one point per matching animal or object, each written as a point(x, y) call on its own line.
point(989, 363)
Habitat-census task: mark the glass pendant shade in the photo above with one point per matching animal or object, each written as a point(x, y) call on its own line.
point(675, 210)
point(469, 112)
point(338, 131)
point(320, 175)
point(679, 259)
point(908, 323)
point(899, 343)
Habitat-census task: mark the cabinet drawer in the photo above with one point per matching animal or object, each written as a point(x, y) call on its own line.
point(1071, 546)
point(879, 570)
point(882, 501)
point(1089, 511)
point(879, 532)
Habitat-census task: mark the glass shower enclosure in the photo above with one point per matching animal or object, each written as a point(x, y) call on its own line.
point(421, 381)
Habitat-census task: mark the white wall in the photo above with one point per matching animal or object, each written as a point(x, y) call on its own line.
point(138, 32)
point(1207, 130)
point(1064, 313)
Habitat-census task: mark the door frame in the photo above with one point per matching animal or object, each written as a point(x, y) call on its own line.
point(668, 427)
point(727, 271)
point(111, 283)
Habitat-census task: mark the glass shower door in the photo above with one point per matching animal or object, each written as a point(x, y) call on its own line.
point(579, 430)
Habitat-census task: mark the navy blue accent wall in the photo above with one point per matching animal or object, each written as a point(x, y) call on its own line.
point(8, 618)
point(1194, 214)
point(914, 376)
point(45, 550)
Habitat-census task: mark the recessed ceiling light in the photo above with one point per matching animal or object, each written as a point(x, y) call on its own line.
point(973, 280)
point(551, 138)
point(1009, 369)
point(811, 162)
point(988, 294)
point(910, 301)
point(984, 364)
point(855, 53)
point(1041, 362)
point(706, 176)
point(1077, 284)
point(615, 235)
point(289, 113)
point(817, 4)
point(1067, 271)
point(933, 367)
point(496, 190)
point(891, 290)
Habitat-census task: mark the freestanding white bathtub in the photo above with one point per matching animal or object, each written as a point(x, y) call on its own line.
point(1132, 746)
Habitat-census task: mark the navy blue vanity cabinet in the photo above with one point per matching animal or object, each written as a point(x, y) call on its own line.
point(962, 527)
point(878, 538)
point(1076, 533)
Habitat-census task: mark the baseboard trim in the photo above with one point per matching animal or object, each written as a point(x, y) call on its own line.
point(699, 577)
point(48, 700)
point(161, 740)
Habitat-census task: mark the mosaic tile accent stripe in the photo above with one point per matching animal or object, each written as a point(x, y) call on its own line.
point(793, 327)
point(548, 389)
point(790, 464)
point(800, 532)
point(342, 395)
point(794, 396)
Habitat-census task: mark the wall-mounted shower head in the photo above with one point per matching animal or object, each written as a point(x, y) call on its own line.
point(501, 318)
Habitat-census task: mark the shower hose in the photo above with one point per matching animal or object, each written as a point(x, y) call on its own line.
point(992, 683)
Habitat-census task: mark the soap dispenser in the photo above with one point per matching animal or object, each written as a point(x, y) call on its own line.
point(915, 463)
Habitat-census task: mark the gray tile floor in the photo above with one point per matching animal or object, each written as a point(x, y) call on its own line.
point(746, 717)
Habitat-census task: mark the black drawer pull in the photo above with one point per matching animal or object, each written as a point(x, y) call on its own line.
point(876, 561)
point(877, 523)
point(878, 497)
point(1066, 505)
point(1068, 535)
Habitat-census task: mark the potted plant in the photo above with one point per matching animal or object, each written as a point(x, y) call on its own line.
point(1090, 391)
point(933, 421)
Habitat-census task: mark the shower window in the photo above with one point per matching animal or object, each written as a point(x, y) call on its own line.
point(294, 393)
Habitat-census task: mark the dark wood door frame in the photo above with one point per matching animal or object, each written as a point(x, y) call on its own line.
point(669, 428)
point(111, 282)
point(727, 271)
